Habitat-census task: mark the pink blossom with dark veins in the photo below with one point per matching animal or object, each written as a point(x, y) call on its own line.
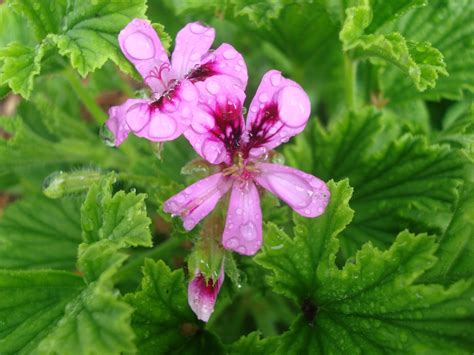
point(169, 111)
point(202, 295)
point(279, 111)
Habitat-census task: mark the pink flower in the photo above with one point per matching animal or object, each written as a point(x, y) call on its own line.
point(169, 111)
point(202, 295)
point(279, 110)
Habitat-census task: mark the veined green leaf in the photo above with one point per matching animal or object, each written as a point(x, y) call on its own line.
point(31, 304)
point(373, 304)
point(120, 218)
point(20, 65)
point(448, 26)
point(252, 344)
point(400, 181)
point(163, 321)
point(38, 233)
point(418, 60)
point(83, 31)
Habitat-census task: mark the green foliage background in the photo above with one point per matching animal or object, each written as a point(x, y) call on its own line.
point(387, 269)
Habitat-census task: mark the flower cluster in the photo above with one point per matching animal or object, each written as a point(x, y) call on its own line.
point(200, 94)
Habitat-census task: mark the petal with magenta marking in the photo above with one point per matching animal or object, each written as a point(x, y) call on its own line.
point(192, 43)
point(243, 227)
point(304, 193)
point(225, 60)
point(198, 200)
point(142, 47)
point(202, 295)
point(279, 111)
point(217, 123)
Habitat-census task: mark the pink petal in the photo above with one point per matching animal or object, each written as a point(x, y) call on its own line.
point(117, 119)
point(198, 200)
point(165, 119)
point(243, 227)
point(202, 296)
point(142, 47)
point(225, 60)
point(217, 122)
point(279, 110)
point(192, 43)
point(303, 192)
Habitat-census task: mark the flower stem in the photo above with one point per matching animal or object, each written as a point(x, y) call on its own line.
point(84, 94)
point(350, 70)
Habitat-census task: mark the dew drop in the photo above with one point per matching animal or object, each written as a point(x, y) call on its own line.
point(231, 243)
point(107, 136)
point(139, 46)
point(263, 98)
point(230, 54)
point(162, 126)
point(237, 68)
point(212, 86)
point(248, 230)
point(238, 211)
point(275, 79)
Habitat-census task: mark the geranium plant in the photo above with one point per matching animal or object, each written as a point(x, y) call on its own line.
point(306, 187)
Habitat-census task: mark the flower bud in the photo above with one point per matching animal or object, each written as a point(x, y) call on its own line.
point(202, 294)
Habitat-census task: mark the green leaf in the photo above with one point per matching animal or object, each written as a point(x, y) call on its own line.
point(20, 65)
point(448, 26)
point(95, 322)
point(90, 36)
point(418, 60)
point(456, 251)
point(38, 233)
point(373, 303)
point(44, 18)
point(163, 321)
point(120, 218)
point(31, 304)
point(294, 272)
point(400, 181)
point(252, 344)
point(84, 32)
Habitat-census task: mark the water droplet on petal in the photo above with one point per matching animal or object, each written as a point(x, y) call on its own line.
point(248, 230)
point(213, 87)
point(189, 223)
point(295, 106)
point(231, 243)
point(212, 151)
point(242, 250)
point(162, 126)
point(263, 98)
point(139, 46)
point(275, 79)
point(194, 57)
point(107, 136)
point(230, 54)
point(237, 68)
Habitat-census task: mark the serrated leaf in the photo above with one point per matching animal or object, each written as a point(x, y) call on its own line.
point(31, 304)
point(373, 304)
point(20, 65)
point(44, 18)
point(163, 321)
point(456, 251)
point(253, 344)
point(83, 31)
point(447, 25)
point(421, 62)
point(294, 272)
point(38, 233)
point(400, 181)
point(95, 322)
point(90, 36)
point(120, 218)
